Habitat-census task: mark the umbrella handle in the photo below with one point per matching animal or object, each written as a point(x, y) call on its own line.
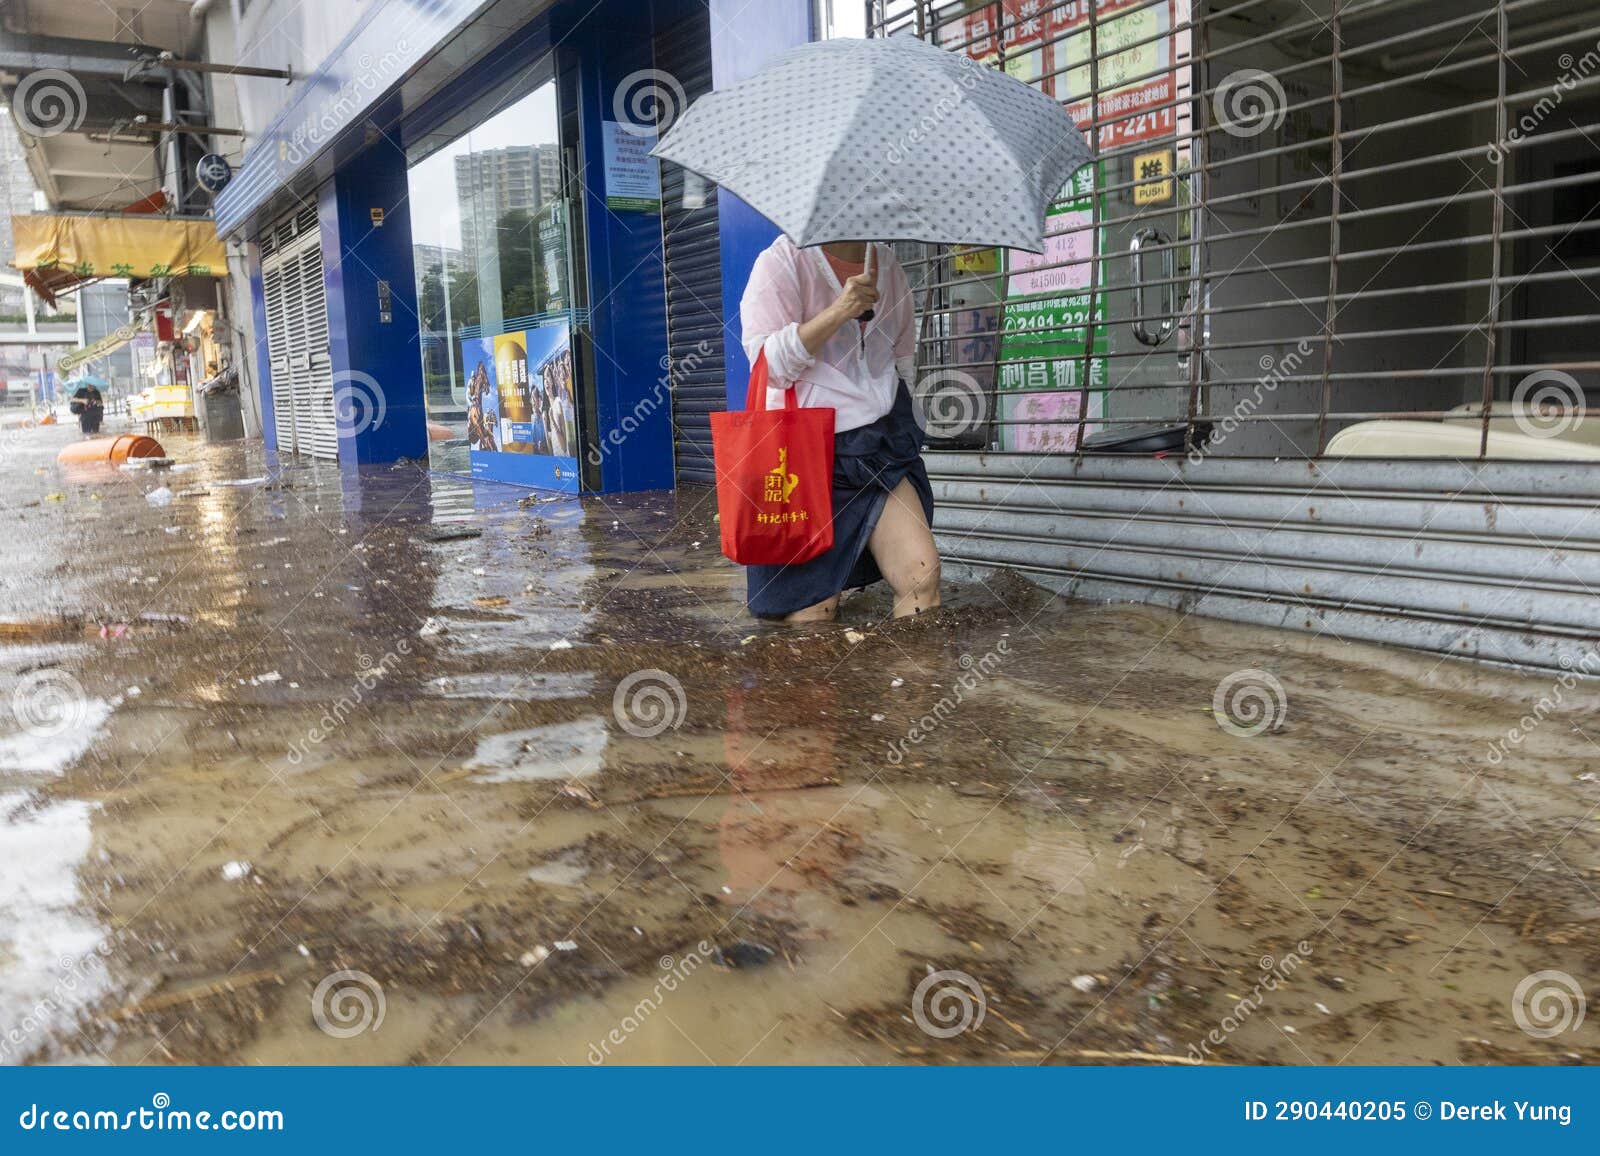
point(867, 267)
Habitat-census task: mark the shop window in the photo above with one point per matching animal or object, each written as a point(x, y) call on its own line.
point(492, 247)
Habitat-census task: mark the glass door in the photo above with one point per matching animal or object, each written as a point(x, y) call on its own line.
point(492, 232)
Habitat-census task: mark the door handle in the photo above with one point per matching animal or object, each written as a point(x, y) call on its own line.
point(1141, 329)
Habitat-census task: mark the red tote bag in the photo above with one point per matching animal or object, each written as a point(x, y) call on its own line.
point(774, 477)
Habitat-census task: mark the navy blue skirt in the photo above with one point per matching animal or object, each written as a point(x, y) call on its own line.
point(868, 463)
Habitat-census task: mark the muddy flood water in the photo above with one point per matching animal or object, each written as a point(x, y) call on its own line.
point(303, 767)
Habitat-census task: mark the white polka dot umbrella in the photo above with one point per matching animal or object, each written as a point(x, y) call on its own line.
point(887, 139)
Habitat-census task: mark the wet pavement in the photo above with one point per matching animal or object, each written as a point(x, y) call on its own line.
point(301, 767)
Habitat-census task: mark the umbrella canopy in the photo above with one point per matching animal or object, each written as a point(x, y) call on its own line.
point(90, 379)
point(888, 140)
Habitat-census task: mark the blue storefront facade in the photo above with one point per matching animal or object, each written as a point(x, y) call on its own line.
point(459, 249)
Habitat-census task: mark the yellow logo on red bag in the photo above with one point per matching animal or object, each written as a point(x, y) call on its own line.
point(780, 483)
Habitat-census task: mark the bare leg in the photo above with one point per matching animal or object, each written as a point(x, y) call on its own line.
point(822, 612)
point(902, 545)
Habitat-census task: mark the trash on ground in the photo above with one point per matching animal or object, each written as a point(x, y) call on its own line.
point(742, 953)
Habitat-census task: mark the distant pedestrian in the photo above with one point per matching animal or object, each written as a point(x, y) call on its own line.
point(90, 408)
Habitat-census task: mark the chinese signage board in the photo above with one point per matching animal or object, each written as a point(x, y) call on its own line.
point(1044, 326)
point(1049, 48)
point(633, 178)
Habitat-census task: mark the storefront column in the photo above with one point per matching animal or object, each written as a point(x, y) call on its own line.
point(372, 309)
point(744, 37)
point(628, 318)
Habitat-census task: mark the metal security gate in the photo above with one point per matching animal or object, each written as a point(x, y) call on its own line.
point(297, 336)
point(1345, 253)
point(693, 266)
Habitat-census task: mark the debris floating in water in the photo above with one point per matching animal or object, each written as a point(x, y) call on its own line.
point(742, 953)
point(237, 869)
point(1084, 982)
point(432, 627)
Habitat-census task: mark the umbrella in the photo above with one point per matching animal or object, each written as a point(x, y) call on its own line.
point(887, 139)
point(90, 379)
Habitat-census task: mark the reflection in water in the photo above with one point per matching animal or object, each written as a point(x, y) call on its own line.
point(765, 753)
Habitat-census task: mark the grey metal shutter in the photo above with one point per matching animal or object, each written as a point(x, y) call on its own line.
point(297, 335)
point(694, 267)
point(1309, 218)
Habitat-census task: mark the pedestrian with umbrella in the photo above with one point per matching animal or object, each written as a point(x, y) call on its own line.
point(837, 142)
point(88, 403)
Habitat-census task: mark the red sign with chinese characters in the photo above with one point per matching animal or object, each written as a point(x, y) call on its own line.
point(1049, 48)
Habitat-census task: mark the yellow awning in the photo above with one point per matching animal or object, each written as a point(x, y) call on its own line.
point(133, 246)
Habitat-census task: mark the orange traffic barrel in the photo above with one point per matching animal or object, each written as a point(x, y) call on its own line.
point(113, 450)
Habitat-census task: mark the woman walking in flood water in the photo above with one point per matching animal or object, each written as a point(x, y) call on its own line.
point(836, 323)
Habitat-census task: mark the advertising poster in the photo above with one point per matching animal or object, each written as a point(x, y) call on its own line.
point(1045, 320)
point(483, 402)
point(522, 414)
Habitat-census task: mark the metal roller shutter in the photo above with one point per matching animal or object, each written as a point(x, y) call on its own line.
point(297, 336)
point(694, 267)
point(1318, 228)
